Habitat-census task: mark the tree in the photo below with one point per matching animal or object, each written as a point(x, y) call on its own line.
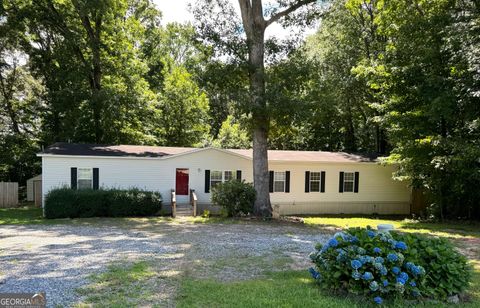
point(232, 136)
point(254, 25)
point(184, 110)
point(429, 85)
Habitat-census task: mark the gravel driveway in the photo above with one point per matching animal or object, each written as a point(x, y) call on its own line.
point(58, 259)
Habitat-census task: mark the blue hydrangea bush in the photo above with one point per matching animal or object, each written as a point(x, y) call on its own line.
point(379, 265)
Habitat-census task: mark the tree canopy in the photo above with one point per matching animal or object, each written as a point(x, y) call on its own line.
point(400, 79)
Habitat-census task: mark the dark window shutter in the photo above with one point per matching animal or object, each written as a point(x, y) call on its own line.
point(287, 181)
point(355, 187)
point(340, 184)
point(95, 178)
point(207, 181)
point(239, 175)
point(270, 183)
point(322, 182)
point(307, 181)
point(73, 178)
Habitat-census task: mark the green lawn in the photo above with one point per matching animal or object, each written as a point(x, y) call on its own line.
point(21, 216)
point(448, 229)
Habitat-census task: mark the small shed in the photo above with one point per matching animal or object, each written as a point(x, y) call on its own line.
point(34, 188)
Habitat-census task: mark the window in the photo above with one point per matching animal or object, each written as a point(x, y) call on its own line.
point(215, 178)
point(279, 181)
point(315, 178)
point(228, 175)
point(85, 178)
point(348, 181)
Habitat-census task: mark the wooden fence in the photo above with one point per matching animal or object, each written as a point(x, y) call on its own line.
point(8, 194)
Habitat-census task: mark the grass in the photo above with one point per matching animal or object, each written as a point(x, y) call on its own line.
point(21, 216)
point(280, 289)
point(447, 229)
point(122, 285)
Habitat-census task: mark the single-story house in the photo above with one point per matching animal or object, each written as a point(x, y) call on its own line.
point(301, 182)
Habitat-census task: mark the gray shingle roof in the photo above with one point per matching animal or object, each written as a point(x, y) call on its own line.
point(83, 149)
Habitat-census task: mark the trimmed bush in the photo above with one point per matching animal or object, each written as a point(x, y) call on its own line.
point(236, 197)
point(390, 265)
point(69, 203)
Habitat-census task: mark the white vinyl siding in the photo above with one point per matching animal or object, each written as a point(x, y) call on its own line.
point(85, 178)
point(378, 194)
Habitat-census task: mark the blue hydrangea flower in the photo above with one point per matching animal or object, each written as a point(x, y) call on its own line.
point(413, 284)
point(378, 266)
point(392, 257)
point(342, 255)
point(344, 236)
point(404, 276)
point(314, 273)
point(409, 266)
point(401, 245)
point(383, 271)
point(332, 243)
point(367, 276)
point(356, 264)
point(401, 281)
point(373, 286)
point(371, 233)
point(363, 259)
point(395, 270)
point(417, 270)
point(379, 260)
point(356, 275)
point(385, 283)
point(354, 239)
point(378, 300)
point(377, 250)
point(361, 251)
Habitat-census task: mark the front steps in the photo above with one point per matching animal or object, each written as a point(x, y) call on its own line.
point(184, 210)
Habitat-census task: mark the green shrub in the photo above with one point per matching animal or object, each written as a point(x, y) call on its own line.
point(447, 270)
point(69, 203)
point(382, 265)
point(236, 197)
point(206, 214)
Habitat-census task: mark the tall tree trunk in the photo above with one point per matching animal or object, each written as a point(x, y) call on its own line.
point(254, 24)
point(261, 124)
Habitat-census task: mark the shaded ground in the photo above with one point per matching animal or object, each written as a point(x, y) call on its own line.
point(59, 258)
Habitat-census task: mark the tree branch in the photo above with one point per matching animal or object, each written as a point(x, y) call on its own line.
point(287, 11)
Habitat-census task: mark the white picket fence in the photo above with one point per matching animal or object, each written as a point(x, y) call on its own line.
point(8, 194)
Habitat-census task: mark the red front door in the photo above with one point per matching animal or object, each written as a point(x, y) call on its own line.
point(181, 182)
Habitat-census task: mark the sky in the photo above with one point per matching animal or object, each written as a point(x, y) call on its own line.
point(177, 11)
